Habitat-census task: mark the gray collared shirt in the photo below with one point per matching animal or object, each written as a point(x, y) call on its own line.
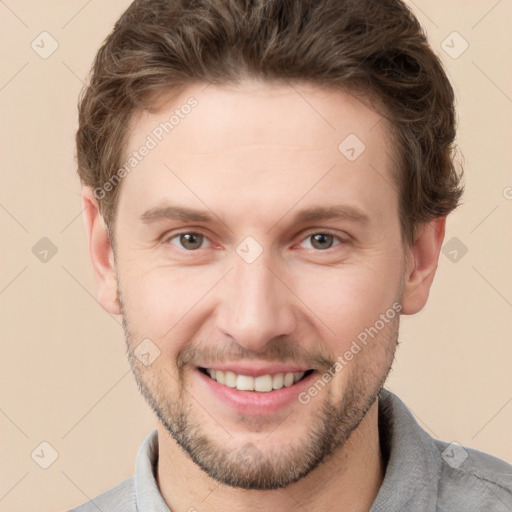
point(422, 473)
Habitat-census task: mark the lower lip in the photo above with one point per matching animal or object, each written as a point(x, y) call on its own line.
point(256, 403)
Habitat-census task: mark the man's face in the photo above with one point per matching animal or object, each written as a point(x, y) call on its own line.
point(258, 279)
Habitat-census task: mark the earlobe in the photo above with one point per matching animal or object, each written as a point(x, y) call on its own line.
point(421, 264)
point(100, 252)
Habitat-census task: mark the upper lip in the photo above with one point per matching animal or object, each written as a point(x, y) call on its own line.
point(254, 370)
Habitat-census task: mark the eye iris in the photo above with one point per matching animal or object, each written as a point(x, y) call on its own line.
point(322, 241)
point(191, 240)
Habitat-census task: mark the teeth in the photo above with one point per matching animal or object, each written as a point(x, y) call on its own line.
point(220, 377)
point(288, 379)
point(262, 383)
point(245, 383)
point(229, 379)
point(278, 381)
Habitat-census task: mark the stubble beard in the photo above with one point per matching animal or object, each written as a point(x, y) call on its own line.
point(248, 466)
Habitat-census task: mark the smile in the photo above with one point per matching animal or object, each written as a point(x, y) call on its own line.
point(261, 383)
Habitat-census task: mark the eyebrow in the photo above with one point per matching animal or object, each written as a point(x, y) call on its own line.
point(169, 212)
point(175, 212)
point(339, 212)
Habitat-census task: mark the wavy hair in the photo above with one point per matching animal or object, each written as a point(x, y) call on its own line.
point(375, 49)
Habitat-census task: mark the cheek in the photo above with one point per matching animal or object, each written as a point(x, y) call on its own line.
point(347, 301)
point(149, 298)
point(160, 303)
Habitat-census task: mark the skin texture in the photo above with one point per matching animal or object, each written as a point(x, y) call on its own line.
point(253, 156)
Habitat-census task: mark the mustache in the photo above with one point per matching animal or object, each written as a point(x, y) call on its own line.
point(275, 351)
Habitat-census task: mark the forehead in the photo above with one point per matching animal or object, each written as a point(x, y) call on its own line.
point(259, 144)
point(255, 112)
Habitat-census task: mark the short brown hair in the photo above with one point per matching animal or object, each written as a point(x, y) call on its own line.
point(374, 48)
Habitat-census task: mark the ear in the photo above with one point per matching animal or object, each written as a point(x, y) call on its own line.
point(100, 252)
point(421, 264)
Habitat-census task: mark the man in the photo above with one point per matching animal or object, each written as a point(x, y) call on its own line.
point(265, 188)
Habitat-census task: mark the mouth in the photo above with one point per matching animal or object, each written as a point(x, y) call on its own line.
point(264, 383)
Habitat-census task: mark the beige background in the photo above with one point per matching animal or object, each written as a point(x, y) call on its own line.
point(64, 377)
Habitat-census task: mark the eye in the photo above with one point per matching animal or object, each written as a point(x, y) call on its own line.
point(188, 241)
point(321, 241)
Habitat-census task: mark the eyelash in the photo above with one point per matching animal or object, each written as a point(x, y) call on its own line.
point(340, 240)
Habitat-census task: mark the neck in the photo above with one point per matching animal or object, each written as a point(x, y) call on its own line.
point(348, 480)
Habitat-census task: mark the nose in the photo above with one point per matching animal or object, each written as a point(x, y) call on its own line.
point(255, 305)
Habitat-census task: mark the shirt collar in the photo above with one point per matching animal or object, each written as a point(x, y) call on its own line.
point(147, 493)
point(414, 462)
point(412, 469)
